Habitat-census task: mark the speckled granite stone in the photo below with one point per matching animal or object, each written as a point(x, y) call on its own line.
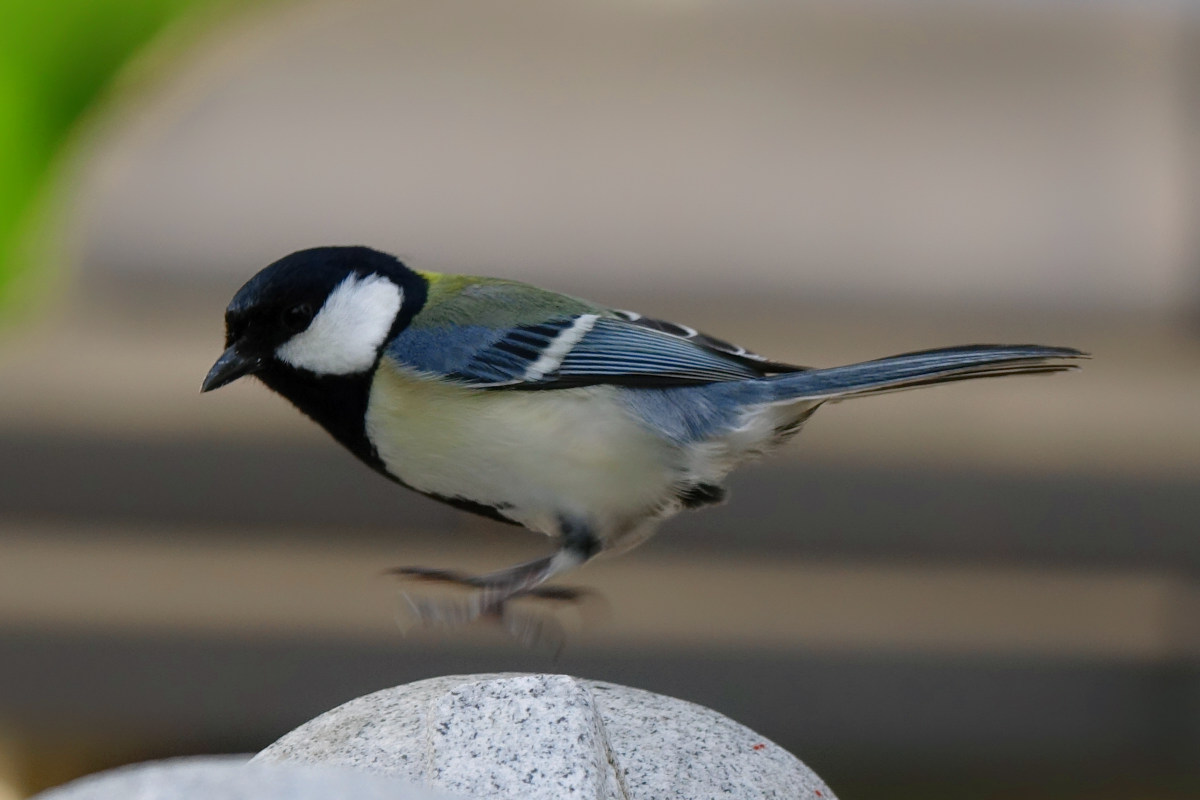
point(538, 733)
point(228, 779)
point(549, 737)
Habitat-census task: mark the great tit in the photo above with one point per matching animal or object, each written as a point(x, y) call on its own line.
point(585, 423)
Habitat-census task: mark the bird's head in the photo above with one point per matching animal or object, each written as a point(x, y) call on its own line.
point(322, 312)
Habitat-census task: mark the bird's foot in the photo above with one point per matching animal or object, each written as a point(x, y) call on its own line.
point(498, 599)
point(536, 629)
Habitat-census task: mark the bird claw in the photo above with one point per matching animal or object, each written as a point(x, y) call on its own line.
point(535, 630)
point(492, 602)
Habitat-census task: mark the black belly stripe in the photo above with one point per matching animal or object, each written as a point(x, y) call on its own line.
point(694, 495)
point(493, 511)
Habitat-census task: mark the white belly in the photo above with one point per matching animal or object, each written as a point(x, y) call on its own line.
point(539, 456)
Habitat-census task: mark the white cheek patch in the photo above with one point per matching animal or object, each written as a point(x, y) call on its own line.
point(345, 335)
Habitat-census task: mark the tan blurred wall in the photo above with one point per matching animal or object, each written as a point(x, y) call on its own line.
point(909, 153)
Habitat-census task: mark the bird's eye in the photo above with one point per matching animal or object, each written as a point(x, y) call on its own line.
point(234, 328)
point(296, 318)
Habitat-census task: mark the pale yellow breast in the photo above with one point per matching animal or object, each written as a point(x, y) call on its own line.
point(546, 453)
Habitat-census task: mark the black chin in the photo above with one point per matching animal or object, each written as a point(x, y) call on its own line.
point(338, 403)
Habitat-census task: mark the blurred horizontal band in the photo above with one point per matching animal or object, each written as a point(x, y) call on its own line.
point(171, 488)
point(104, 579)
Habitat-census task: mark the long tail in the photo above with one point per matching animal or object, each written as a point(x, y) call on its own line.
point(924, 368)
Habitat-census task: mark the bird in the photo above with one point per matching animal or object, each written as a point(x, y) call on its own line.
point(585, 423)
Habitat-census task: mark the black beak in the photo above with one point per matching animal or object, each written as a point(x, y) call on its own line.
point(229, 367)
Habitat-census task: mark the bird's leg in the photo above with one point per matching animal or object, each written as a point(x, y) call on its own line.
point(527, 575)
point(577, 545)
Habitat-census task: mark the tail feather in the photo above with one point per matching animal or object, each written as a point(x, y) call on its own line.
point(924, 368)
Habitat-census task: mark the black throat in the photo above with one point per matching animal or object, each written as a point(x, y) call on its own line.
point(338, 403)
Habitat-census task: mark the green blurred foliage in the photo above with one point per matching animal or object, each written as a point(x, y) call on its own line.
point(57, 58)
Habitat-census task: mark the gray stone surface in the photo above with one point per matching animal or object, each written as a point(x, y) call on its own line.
point(225, 778)
point(535, 737)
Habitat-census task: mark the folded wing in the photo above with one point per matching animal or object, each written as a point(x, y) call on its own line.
point(578, 350)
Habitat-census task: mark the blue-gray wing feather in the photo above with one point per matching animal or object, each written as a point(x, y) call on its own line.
point(613, 350)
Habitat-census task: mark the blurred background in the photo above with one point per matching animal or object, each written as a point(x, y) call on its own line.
point(973, 591)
